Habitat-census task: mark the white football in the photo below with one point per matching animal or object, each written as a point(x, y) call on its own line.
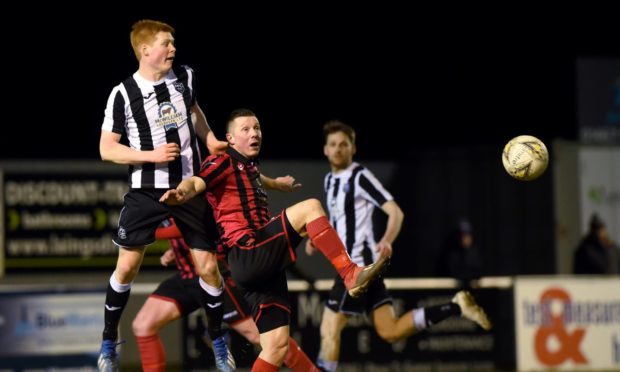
point(525, 157)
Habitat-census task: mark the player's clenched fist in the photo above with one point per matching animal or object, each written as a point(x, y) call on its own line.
point(166, 153)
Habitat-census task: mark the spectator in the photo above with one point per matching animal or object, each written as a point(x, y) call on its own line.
point(597, 254)
point(460, 257)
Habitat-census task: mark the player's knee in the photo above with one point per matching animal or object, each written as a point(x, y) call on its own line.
point(125, 272)
point(390, 339)
point(208, 269)
point(276, 348)
point(312, 209)
point(388, 335)
point(141, 327)
point(253, 338)
point(314, 205)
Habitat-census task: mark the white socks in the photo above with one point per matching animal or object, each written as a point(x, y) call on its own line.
point(215, 292)
point(118, 287)
point(419, 318)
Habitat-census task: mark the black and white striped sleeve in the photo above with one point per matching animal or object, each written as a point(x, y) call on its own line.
point(191, 83)
point(115, 115)
point(371, 189)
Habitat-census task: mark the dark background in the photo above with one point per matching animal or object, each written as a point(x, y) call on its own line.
point(404, 76)
point(439, 90)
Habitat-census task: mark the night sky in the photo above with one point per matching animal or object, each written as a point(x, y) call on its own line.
point(402, 77)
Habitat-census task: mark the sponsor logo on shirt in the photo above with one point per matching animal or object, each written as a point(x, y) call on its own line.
point(169, 117)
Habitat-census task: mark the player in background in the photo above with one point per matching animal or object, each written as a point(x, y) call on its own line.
point(353, 192)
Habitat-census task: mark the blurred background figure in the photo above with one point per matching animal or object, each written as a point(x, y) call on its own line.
point(460, 257)
point(597, 254)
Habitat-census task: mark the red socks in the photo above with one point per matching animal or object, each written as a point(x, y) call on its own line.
point(263, 366)
point(152, 353)
point(297, 360)
point(326, 240)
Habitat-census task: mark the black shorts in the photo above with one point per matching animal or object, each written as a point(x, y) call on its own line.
point(339, 300)
point(258, 262)
point(142, 213)
point(185, 294)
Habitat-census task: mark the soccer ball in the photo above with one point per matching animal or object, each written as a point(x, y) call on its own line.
point(525, 157)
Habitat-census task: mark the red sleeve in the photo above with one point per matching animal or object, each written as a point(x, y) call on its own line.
point(215, 169)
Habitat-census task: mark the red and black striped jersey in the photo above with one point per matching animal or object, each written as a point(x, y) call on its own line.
point(185, 263)
point(183, 258)
point(235, 192)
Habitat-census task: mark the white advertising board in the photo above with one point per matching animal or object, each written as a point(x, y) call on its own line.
point(568, 323)
point(50, 323)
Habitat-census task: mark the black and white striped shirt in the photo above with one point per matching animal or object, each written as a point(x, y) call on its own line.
point(152, 114)
point(352, 195)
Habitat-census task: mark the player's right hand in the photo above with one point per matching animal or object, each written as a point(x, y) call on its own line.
point(287, 183)
point(384, 248)
point(173, 197)
point(167, 258)
point(166, 153)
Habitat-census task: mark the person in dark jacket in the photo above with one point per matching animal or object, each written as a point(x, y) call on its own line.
point(597, 254)
point(460, 257)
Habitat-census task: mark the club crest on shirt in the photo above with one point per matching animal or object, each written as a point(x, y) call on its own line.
point(169, 117)
point(179, 87)
point(345, 187)
point(122, 234)
point(332, 204)
point(240, 166)
point(333, 207)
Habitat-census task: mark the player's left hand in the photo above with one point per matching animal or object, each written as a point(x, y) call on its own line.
point(287, 183)
point(384, 248)
point(217, 147)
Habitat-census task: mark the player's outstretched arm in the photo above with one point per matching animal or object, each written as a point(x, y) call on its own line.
point(285, 184)
point(187, 189)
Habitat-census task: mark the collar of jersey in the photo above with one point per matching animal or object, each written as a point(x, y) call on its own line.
point(237, 156)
